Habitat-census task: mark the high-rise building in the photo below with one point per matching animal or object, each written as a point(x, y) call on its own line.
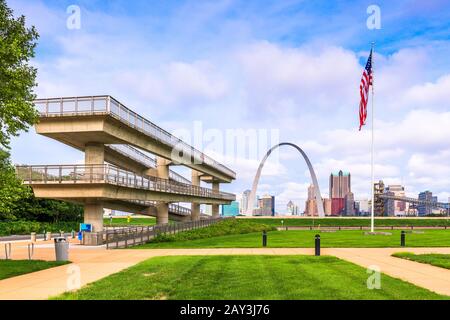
point(267, 205)
point(395, 207)
point(310, 204)
point(292, 208)
point(229, 210)
point(340, 186)
point(244, 202)
point(327, 206)
point(424, 209)
point(349, 204)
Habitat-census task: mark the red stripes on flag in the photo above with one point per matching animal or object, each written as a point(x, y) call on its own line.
point(366, 82)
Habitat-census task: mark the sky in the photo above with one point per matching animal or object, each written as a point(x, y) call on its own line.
point(267, 72)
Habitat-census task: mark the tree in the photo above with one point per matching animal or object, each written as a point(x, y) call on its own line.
point(17, 77)
point(12, 191)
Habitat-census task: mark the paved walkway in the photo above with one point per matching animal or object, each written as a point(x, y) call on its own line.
point(95, 263)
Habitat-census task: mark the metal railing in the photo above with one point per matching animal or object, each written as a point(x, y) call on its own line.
point(173, 208)
point(131, 236)
point(91, 105)
point(107, 173)
point(144, 159)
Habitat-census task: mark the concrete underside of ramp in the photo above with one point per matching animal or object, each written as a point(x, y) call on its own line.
point(79, 130)
point(93, 191)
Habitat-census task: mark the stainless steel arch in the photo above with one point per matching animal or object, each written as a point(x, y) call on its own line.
point(318, 197)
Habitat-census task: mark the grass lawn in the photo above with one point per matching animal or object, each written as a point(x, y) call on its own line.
point(351, 222)
point(435, 259)
point(305, 239)
point(12, 268)
point(120, 222)
point(246, 277)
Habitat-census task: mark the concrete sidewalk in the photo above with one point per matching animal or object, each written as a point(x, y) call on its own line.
point(95, 263)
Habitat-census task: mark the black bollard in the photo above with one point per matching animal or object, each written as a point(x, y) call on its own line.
point(402, 238)
point(264, 238)
point(317, 245)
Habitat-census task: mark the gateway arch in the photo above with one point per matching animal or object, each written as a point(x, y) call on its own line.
point(318, 197)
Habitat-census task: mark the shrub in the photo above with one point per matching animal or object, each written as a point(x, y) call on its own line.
point(222, 228)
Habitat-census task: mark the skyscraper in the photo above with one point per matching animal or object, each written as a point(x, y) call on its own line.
point(267, 205)
point(244, 202)
point(340, 186)
point(349, 204)
point(292, 208)
point(424, 209)
point(395, 207)
point(310, 205)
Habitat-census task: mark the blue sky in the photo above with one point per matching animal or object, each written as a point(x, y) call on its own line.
point(289, 66)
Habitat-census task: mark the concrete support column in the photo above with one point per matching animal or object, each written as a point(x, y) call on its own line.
point(162, 208)
point(195, 207)
point(162, 213)
point(162, 167)
point(215, 207)
point(93, 214)
point(94, 153)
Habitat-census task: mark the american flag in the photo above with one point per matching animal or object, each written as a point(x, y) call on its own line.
point(366, 81)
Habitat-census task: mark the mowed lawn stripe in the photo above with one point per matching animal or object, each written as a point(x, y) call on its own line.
point(246, 277)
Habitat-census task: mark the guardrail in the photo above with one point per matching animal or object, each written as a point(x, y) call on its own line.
point(131, 236)
point(90, 105)
point(173, 208)
point(141, 157)
point(107, 173)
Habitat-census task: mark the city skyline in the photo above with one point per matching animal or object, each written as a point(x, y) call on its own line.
point(268, 77)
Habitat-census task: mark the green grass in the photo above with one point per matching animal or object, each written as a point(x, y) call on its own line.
point(435, 259)
point(121, 222)
point(246, 277)
point(352, 222)
point(305, 239)
point(12, 268)
point(221, 228)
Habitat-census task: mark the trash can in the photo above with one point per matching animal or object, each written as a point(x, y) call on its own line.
point(61, 249)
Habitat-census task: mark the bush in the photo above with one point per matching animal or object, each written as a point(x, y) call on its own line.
point(222, 228)
point(26, 227)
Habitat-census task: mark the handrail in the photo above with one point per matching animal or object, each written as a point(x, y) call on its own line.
point(107, 173)
point(106, 104)
point(173, 208)
point(141, 157)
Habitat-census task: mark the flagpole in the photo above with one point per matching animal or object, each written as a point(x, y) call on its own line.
point(372, 219)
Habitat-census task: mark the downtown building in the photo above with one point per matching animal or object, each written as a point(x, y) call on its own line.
point(340, 187)
point(394, 207)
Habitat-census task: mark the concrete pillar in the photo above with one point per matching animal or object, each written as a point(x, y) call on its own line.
point(93, 214)
point(94, 153)
point(162, 213)
point(162, 208)
point(195, 207)
point(215, 207)
point(162, 167)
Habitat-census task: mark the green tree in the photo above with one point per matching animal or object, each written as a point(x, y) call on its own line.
point(12, 192)
point(17, 77)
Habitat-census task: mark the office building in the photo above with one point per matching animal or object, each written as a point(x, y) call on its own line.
point(230, 210)
point(424, 209)
point(349, 204)
point(243, 207)
point(340, 186)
